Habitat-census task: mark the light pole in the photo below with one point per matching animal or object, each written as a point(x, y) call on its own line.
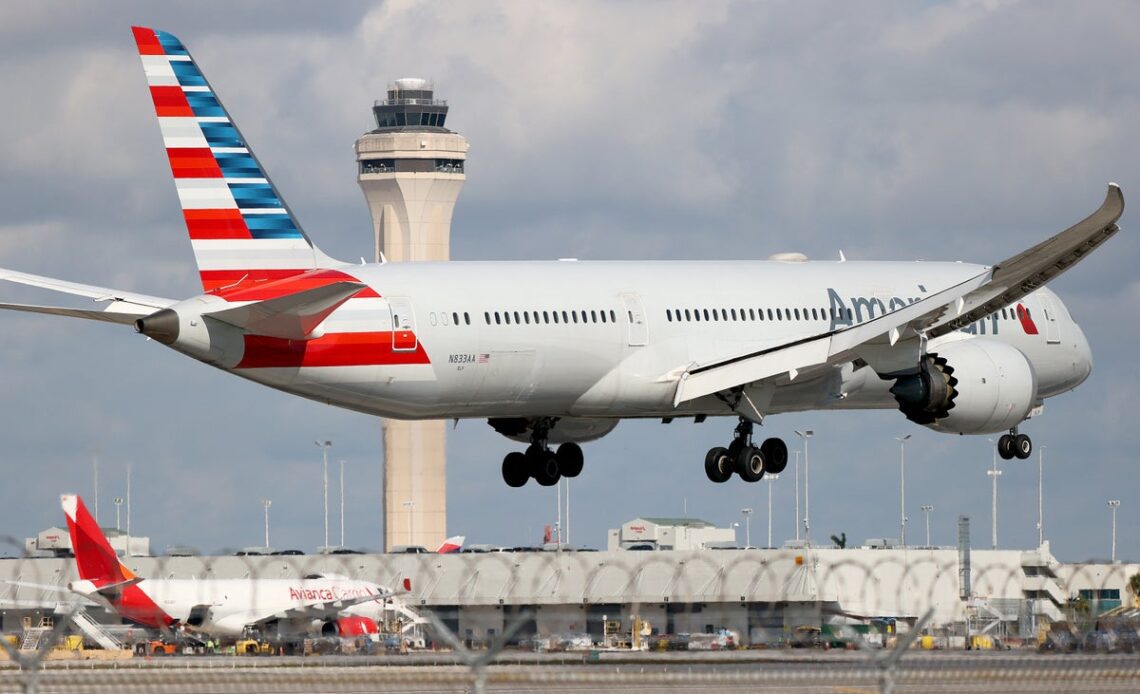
point(994, 474)
point(805, 435)
point(324, 446)
point(1040, 496)
point(771, 479)
point(342, 502)
point(118, 503)
point(266, 503)
point(410, 505)
point(1114, 504)
point(927, 508)
point(747, 513)
point(902, 488)
point(796, 520)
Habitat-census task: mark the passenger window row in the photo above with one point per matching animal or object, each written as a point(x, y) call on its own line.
point(547, 317)
point(752, 314)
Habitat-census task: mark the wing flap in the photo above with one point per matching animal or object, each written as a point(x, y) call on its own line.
point(829, 347)
point(291, 317)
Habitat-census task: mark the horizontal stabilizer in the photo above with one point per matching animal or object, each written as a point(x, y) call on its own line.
point(290, 317)
point(106, 315)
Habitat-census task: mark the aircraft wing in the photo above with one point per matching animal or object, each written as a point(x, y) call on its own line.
point(122, 307)
point(940, 313)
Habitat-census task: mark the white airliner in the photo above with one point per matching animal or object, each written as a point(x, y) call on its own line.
point(560, 351)
point(277, 607)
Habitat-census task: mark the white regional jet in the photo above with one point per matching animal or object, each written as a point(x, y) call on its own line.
point(559, 352)
point(278, 607)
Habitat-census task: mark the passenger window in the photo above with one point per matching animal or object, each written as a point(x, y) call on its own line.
point(751, 314)
point(797, 314)
point(688, 316)
point(814, 315)
point(593, 316)
point(526, 317)
point(565, 317)
point(555, 314)
point(779, 314)
point(669, 315)
point(574, 316)
point(497, 321)
point(613, 316)
point(706, 312)
point(545, 317)
point(603, 312)
point(467, 318)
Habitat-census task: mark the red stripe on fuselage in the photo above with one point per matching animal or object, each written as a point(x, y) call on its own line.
point(215, 280)
point(137, 606)
point(260, 290)
point(193, 162)
point(337, 349)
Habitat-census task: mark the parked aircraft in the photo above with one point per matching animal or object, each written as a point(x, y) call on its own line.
point(559, 352)
point(276, 607)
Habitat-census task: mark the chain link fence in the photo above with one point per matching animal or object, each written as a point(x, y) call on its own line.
point(810, 619)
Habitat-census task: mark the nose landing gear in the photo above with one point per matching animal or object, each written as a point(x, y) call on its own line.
point(746, 460)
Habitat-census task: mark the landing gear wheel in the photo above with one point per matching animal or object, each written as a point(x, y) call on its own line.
point(1022, 446)
point(1005, 446)
point(543, 466)
point(775, 453)
point(515, 472)
point(718, 465)
point(750, 464)
point(570, 459)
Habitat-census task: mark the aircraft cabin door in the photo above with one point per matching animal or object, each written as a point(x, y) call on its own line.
point(635, 314)
point(403, 324)
point(1052, 327)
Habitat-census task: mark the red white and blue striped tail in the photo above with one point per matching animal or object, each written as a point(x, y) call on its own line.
point(241, 229)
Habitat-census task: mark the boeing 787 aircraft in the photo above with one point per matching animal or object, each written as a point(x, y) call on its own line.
point(559, 352)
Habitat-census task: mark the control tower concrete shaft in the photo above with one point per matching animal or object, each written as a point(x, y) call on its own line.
point(411, 169)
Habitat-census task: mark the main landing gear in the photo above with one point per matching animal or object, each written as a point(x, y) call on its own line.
point(744, 459)
point(541, 463)
point(1014, 445)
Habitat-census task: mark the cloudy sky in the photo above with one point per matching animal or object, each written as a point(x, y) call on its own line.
point(957, 130)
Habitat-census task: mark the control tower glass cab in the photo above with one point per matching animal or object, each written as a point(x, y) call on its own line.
point(411, 105)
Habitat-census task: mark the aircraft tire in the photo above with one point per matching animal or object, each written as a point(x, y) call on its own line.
point(1022, 446)
point(750, 464)
point(718, 465)
point(570, 459)
point(1005, 446)
point(544, 466)
point(775, 453)
point(515, 472)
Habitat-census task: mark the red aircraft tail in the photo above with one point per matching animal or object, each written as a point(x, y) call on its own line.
point(94, 558)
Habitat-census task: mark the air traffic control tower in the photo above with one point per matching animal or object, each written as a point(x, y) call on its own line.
point(411, 171)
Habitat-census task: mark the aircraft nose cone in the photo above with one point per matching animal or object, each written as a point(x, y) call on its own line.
point(1083, 363)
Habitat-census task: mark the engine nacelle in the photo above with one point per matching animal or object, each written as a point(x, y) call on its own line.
point(350, 625)
point(973, 386)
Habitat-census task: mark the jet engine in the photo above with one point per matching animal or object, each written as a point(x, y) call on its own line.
point(972, 386)
point(349, 626)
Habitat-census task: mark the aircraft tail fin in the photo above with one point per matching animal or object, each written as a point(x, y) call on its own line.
point(452, 544)
point(95, 560)
point(239, 225)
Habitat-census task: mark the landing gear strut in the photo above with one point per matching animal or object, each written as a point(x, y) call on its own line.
point(1014, 445)
point(746, 460)
point(541, 463)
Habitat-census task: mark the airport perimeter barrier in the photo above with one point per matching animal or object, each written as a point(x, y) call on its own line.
point(812, 618)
